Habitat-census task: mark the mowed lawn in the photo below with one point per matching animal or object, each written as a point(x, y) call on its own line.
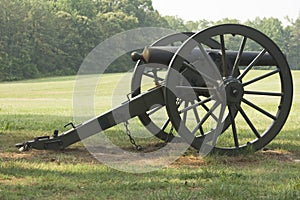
point(37, 107)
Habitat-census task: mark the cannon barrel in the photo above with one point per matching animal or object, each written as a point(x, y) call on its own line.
point(164, 54)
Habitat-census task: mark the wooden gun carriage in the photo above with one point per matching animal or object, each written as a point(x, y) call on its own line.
point(213, 95)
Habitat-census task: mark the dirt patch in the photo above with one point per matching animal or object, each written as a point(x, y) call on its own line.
point(11, 181)
point(256, 158)
point(70, 155)
point(77, 155)
point(15, 155)
point(193, 161)
point(280, 155)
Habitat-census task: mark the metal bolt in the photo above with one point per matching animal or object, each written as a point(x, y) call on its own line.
point(235, 92)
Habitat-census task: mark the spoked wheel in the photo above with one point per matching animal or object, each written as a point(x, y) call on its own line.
point(147, 76)
point(245, 106)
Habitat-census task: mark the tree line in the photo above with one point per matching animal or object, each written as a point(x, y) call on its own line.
point(52, 37)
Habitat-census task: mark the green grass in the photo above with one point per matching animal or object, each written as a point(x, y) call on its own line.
point(60, 176)
point(37, 107)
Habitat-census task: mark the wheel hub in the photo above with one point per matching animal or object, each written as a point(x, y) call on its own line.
point(234, 90)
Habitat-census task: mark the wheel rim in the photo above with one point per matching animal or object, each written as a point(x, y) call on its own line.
point(257, 101)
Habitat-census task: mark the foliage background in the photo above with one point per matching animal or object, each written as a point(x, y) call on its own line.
point(41, 38)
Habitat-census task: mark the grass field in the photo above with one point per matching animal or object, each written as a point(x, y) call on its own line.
point(37, 107)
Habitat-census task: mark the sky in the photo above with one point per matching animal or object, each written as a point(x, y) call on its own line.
point(214, 10)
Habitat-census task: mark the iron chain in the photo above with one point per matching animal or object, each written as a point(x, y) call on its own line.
point(131, 139)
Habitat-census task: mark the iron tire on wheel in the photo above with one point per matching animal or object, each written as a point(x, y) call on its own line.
point(261, 122)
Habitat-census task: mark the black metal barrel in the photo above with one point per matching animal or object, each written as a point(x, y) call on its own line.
point(164, 54)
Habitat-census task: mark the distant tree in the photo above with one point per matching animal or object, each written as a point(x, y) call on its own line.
point(294, 44)
point(111, 23)
point(272, 27)
point(227, 21)
point(284, 37)
point(86, 8)
point(203, 24)
point(176, 23)
point(52, 37)
point(191, 26)
point(13, 39)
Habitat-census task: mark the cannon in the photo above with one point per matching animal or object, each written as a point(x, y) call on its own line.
point(228, 86)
